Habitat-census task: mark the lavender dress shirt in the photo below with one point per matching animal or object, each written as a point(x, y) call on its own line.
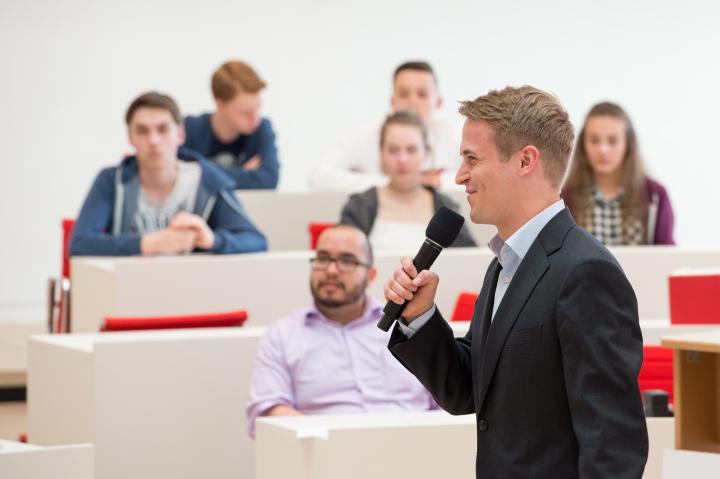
point(319, 366)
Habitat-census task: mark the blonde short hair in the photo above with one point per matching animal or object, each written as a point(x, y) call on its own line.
point(526, 116)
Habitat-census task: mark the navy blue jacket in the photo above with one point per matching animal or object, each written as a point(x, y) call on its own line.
point(104, 225)
point(231, 156)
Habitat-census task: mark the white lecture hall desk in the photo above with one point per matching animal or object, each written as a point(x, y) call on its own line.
point(26, 461)
point(161, 403)
point(422, 445)
point(154, 403)
point(271, 285)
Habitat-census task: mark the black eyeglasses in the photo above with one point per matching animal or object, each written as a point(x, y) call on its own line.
point(344, 264)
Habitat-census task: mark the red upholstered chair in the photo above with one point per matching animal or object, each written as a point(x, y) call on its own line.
point(464, 306)
point(211, 320)
point(59, 289)
point(315, 229)
point(657, 370)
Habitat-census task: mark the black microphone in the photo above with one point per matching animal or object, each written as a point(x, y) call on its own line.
point(442, 230)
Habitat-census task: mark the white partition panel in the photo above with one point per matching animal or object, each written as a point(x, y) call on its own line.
point(661, 436)
point(154, 404)
point(284, 217)
point(270, 285)
point(418, 445)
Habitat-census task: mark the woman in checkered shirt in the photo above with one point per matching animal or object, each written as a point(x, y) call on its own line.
point(607, 190)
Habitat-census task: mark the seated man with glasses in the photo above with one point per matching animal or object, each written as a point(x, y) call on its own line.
point(331, 358)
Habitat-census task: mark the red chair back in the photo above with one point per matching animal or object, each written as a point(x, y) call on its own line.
point(59, 316)
point(657, 370)
point(464, 306)
point(695, 299)
point(315, 229)
point(67, 226)
point(212, 320)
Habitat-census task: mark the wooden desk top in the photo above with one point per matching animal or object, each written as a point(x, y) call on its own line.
point(707, 341)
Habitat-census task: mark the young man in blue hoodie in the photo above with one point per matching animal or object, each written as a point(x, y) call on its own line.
point(235, 137)
point(163, 200)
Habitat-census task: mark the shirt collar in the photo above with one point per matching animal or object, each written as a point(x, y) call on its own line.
point(372, 312)
point(599, 197)
point(523, 238)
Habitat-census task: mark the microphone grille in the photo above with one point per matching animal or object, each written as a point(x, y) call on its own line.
point(444, 226)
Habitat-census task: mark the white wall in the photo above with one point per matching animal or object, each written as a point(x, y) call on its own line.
point(70, 68)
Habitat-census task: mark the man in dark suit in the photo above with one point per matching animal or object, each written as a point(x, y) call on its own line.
point(550, 363)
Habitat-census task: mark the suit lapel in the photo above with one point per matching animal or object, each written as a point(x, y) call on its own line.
point(528, 275)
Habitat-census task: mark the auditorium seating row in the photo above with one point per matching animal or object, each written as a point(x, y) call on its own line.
point(171, 404)
point(270, 285)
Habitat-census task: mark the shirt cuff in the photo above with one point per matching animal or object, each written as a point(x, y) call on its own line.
point(419, 322)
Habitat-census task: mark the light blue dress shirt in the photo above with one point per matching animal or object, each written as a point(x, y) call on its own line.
point(509, 253)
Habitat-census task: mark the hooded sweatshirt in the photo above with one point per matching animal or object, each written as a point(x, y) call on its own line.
point(105, 224)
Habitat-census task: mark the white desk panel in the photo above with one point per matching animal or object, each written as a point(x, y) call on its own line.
point(154, 404)
point(270, 285)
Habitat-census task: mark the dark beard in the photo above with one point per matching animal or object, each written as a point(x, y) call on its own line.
point(352, 297)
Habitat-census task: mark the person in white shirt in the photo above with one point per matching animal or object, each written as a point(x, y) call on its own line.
point(353, 165)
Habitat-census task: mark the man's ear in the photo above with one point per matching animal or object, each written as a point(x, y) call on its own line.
point(181, 134)
point(219, 104)
point(439, 103)
point(372, 274)
point(529, 160)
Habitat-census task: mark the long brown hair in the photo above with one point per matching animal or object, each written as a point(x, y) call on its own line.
point(580, 180)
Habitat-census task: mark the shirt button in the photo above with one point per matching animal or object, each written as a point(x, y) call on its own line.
point(506, 280)
point(482, 425)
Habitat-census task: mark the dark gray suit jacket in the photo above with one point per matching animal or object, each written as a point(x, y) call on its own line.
point(553, 379)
